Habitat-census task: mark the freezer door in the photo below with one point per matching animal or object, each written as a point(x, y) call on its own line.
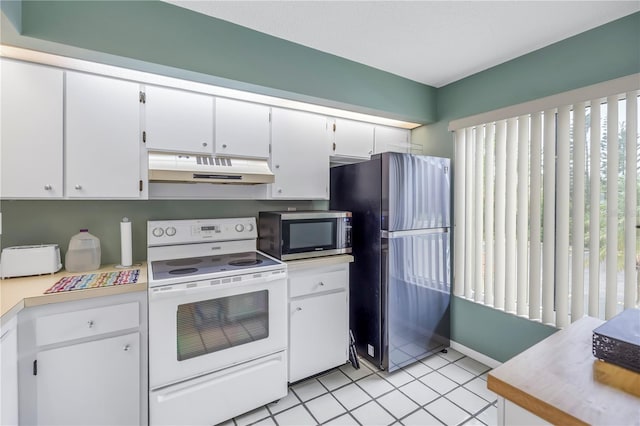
point(416, 192)
point(416, 295)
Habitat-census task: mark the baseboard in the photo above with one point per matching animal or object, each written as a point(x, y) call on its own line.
point(475, 355)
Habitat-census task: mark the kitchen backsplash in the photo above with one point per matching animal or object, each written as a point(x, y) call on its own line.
point(38, 222)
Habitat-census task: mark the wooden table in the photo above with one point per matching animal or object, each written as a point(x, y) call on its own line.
point(554, 380)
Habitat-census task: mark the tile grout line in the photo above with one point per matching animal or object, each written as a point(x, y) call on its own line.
point(377, 373)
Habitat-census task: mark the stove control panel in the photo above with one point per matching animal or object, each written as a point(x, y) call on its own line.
point(165, 232)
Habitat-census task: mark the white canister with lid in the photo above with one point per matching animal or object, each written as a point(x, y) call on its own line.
point(84, 253)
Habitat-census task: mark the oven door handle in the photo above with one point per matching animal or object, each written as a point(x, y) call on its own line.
point(164, 292)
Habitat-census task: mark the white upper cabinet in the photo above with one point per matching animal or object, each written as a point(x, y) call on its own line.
point(241, 129)
point(177, 120)
point(31, 149)
point(391, 139)
point(102, 155)
point(299, 155)
point(352, 139)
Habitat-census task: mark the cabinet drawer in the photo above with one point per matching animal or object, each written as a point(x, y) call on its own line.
point(85, 323)
point(310, 282)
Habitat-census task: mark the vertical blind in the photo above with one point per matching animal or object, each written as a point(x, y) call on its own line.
point(546, 209)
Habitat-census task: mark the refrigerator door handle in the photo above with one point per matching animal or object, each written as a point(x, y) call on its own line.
point(412, 232)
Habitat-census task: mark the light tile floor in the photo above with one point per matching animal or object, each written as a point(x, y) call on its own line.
point(448, 389)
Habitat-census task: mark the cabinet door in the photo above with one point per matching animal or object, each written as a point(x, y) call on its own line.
point(299, 155)
point(241, 129)
point(9, 373)
point(318, 334)
point(31, 153)
point(352, 139)
point(90, 383)
point(102, 137)
point(391, 139)
point(177, 120)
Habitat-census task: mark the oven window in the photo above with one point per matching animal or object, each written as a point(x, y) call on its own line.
point(213, 325)
point(309, 235)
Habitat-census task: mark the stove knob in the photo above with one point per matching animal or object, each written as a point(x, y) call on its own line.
point(249, 227)
point(239, 227)
point(157, 232)
point(170, 231)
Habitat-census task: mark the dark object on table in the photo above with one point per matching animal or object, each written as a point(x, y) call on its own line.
point(618, 340)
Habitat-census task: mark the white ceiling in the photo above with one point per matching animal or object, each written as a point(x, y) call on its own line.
point(432, 42)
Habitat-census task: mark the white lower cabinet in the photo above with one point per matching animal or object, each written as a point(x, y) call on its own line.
point(318, 320)
point(97, 381)
point(84, 362)
point(9, 373)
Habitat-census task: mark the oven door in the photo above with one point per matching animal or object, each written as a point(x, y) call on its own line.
point(313, 237)
point(196, 328)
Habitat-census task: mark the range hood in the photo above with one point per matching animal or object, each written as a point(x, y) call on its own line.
point(172, 167)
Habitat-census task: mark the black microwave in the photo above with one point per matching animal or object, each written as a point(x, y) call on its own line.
point(290, 235)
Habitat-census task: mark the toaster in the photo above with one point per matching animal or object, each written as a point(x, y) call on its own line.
point(20, 261)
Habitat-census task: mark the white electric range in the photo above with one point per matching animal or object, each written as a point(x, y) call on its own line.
point(217, 321)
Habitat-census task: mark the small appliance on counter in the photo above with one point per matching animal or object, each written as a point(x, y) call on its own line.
point(84, 252)
point(291, 235)
point(22, 261)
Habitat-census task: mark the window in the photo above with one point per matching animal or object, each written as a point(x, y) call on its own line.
point(546, 206)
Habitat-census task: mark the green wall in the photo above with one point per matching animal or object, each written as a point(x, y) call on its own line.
point(159, 37)
point(601, 54)
point(495, 334)
point(46, 222)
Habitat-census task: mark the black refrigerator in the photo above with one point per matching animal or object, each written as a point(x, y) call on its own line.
point(400, 280)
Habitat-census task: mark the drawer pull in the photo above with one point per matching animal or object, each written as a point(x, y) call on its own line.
point(298, 308)
point(321, 283)
point(126, 348)
point(90, 323)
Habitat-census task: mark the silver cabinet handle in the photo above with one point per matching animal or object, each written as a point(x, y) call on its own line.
point(277, 166)
point(280, 191)
point(224, 145)
point(298, 308)
point(78, 187)
point(320, 283)
point(48, 187)
point(204, 144)
point(90, 323)
point(126, 348)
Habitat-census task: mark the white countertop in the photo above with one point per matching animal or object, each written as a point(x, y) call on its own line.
point(314, 262)
point(19, 293)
